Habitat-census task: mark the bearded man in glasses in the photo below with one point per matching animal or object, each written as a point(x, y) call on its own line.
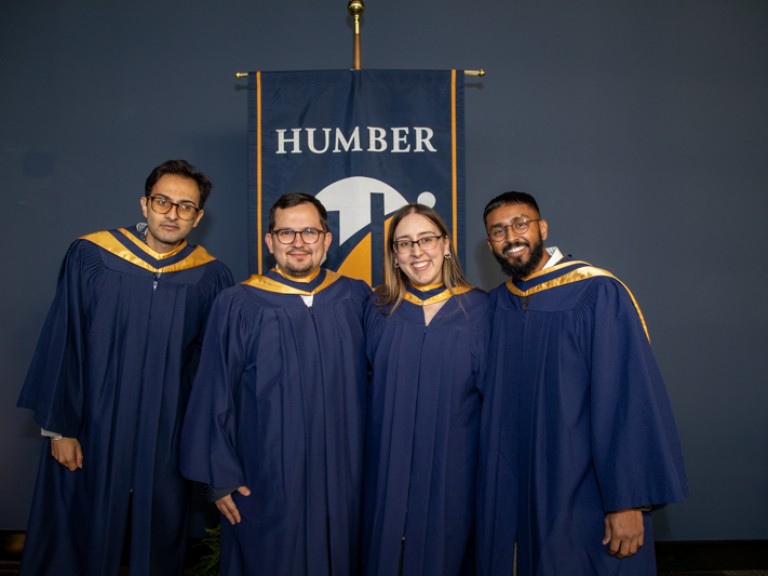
point(578, 439)
point(109, 384)
point(275, 420)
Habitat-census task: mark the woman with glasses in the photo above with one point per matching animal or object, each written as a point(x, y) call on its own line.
point(426, 341)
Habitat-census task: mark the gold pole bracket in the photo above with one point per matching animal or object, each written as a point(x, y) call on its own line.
point(479, 72)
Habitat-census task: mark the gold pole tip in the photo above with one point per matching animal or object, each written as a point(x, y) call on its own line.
point(356, 7)
point(241, 75)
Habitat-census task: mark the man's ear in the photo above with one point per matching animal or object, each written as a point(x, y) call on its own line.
point(543, 229)
point(198, 218)
point(327, 241)
point(268, 241)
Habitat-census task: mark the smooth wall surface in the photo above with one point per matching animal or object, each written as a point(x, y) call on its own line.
point(641, 126)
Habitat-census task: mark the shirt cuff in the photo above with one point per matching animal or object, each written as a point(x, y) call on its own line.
point(218, 493)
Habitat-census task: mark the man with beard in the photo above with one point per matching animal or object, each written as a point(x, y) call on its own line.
point(578, 440)
point(275, 422)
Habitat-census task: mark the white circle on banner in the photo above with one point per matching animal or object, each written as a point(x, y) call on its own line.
point(428, 199)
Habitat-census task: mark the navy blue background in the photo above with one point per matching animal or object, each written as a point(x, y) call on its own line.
point(641, 126)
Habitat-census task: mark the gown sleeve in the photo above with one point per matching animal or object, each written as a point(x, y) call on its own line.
point(637, 454)
point(209, 452)
point(54, 385)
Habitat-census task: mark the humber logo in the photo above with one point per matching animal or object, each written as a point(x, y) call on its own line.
point(358, 207)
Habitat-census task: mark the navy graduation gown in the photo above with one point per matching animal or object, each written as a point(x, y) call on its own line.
point(113, 369)
point(581, 425)
point(421, 439)
point(277, 406)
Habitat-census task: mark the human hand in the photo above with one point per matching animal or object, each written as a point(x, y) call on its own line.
point(624, 532)
point(68, 453)
point(228, 508)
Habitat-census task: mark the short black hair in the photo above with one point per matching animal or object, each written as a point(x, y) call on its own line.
point(295, 199)
point(180, 168)
point(511, 197)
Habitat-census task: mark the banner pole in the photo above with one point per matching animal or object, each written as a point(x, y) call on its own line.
point(356, 9)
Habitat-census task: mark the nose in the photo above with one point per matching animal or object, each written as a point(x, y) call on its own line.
point(173, 213)
point(509, 228)
point(416, 249)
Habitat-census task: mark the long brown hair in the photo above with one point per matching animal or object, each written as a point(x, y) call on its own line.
point(391, 293)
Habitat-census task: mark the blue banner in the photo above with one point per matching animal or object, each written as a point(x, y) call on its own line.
point(365, 142)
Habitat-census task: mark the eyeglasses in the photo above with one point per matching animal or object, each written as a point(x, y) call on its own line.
point(288, 235)
point(162, 205)
point(426, 243)
point(519, 225)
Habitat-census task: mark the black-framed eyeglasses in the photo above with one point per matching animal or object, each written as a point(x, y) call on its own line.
point(519, 225)
point(426, 243)
point(288, 235)
point(162, 205)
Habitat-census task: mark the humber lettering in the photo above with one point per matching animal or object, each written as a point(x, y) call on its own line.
point(402, 139)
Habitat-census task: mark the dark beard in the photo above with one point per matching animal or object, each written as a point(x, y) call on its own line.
point(517, 270)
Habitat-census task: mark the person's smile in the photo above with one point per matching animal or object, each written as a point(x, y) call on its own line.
point(516, 249)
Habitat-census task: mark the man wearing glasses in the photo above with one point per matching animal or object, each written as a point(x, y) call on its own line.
point(109, 384)
point(275, 420)
point(579, 442)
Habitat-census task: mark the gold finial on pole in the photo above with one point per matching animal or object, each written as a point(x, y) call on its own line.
point(356, 9)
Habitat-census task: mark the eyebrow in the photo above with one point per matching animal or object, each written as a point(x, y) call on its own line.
point(510, 220)
point(419, 235)
point(183, 201)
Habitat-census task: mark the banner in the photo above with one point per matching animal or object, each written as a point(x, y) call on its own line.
point(365, 143)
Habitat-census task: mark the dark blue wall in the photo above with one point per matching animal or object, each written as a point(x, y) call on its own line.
point(642, 127)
